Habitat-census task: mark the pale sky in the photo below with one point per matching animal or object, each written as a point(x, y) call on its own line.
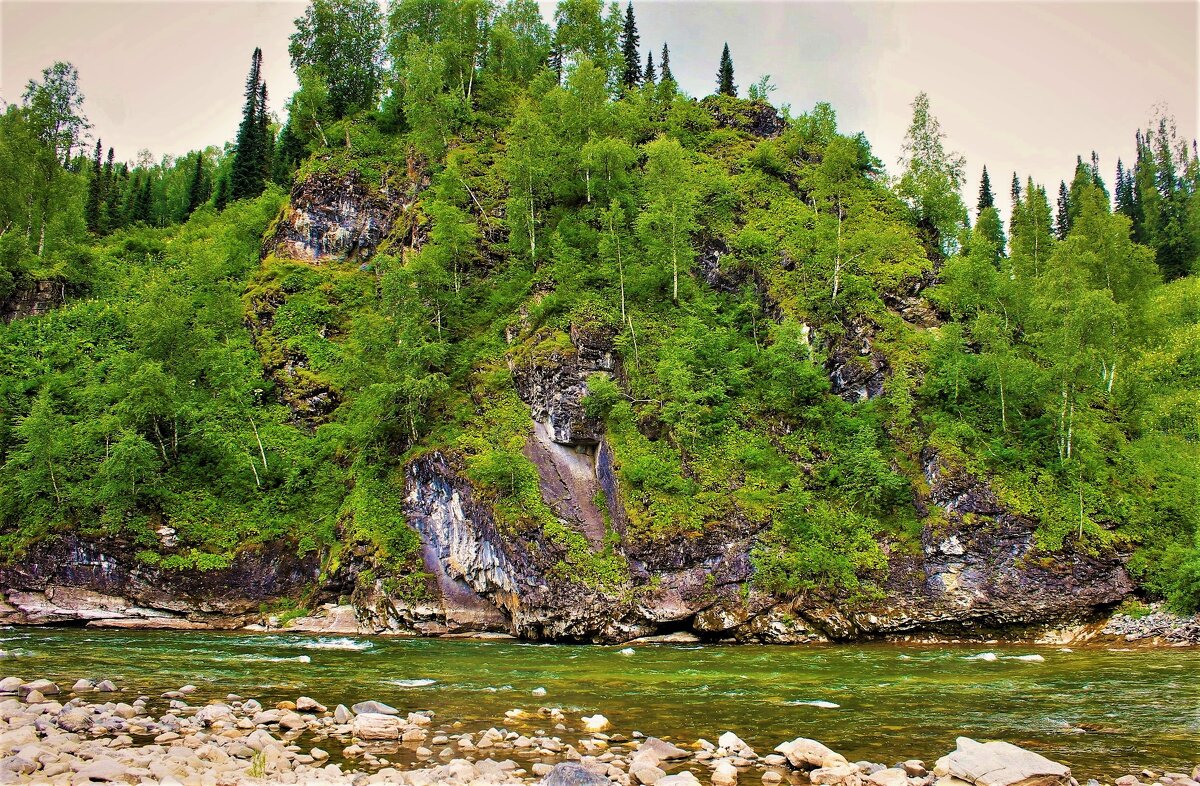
point(1022, 86)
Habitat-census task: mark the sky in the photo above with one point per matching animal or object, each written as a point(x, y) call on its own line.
point(1017, 86)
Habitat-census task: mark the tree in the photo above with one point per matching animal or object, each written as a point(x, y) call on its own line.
point(583, 31)
point(986, 197)
point(342, 40)
point(669, 214)
point(55, 108)
point(519, 43)
point(95, 194)
point(1062, 223)
point(200, 188)
point(649, 76)
point(931, 181)
point(526, 170)
point(665, 65)
point(725, 85)
point(631, 75)
point(248, 175)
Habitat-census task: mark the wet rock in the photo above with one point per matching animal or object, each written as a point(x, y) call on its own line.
point(836, 775)
point(44, 687)
point(374, 707)
point(377, 726)
point(595, 722)
point(573, 774)
point(892, 776)
point(212, 714)
point(305, 704)
point(804, 753)
point(725, 774)
point(82, 686)
point(342, 715)
point(646, 774)
point(11, 684)
point(1003, 764)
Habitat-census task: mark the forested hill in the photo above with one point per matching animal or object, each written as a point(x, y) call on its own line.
point(499, 310)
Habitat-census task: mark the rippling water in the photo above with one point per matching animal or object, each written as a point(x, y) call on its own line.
point(1104, 712)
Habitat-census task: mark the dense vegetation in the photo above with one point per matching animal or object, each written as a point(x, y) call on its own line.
point(573, 187)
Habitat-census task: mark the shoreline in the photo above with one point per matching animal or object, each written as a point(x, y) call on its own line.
point(97, 732)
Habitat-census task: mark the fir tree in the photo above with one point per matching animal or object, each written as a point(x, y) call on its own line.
point(221, 193)
point(665, 65)
point(95, 194)
point(266, 139)
point(649, 77)
point(986, 197)
point(198, 190)
point(249, 159)
point(1063, 222)
point(725, 85)
point(1124, 192)
point(109, 193)
point(631, 76)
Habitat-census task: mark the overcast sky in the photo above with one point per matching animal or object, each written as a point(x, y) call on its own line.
point(1016, 85)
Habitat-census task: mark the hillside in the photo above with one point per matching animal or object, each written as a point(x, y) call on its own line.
point(572, 358)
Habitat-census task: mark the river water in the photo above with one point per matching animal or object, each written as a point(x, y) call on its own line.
point(1103, 711)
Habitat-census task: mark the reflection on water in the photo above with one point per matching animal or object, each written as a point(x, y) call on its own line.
point(1105, 712)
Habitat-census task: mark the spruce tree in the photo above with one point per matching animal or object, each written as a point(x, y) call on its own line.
point(986, 197)
point(665, 65)
point(1015, 194)
point(1063, 222)
point(631, 76)
point(266, 140)
point(649, 77)
point(221, 194)
point(110, 213)
point(247, 174)
point(198, 190)
point(1124, 192)
point(725, 85)
point(95, 194)
point(556, 61)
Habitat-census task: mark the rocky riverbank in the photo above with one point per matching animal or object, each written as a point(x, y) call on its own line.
point(95, 733)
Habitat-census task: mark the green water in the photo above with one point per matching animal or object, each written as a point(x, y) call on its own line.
point(1136, 708)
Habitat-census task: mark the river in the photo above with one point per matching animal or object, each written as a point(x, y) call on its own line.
point(1103, 711)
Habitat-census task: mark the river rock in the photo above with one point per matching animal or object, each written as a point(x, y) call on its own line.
point(803, 753)
point(11, 684)
point(18, 765)
point(595, 722)
point(105, 770)
point(83, 686)
point(342, 715)
point(34, 697)
point(724, 774)
point(892, 776)
point(836, 775)
point(573, 774)
point(74, 719)
point(661, 750)
point(646, 774)
point(685, 778)
point(1003, 764)
point(44, 687)
point(106, 686)
point(377, 726)
point(734, 744)
point(374, 708)
point(215, 713)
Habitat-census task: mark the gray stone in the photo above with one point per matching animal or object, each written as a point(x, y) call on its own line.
point(374, 707)
point(377, 726)
point(106, 686)
point(105, 770)
point(306, 704)
point(1004, 764)
point(75, 719)
point(574, 774)
point(44, 687)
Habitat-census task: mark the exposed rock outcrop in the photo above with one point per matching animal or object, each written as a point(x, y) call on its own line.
point(754, 117)
point(339, 216)
point(857, 369)
point(101, 583)
point(33, 299)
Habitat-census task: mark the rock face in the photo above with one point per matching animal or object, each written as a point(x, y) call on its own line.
point(100, 582)
point(979, 572)
point(754, 117)
point(339, 216)
point(33, 299)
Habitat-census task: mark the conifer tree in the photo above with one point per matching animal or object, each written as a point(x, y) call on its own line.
point(1063, 221)
point(649, 77)
point(665, 65)
point(556, 61)
point(986, 197)
point(1124, 192)
point(95, 194)
point(631, 75)
point(725, 85)
point(247, 176)
point(198, 190)
point(221, 194)
point(266, 139)
point(1015, 194)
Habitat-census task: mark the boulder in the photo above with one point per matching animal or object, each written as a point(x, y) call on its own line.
point(374, 708)
point(215, 713)
point(74, 719)
point(570, 773)
point(837, 775)
point(892, 776)
point(341, 714)
point(377, 726)
point(105, 770)
point(734, 744)
point(661, 750)
point(803, 753)
point(646, 774)
point(106, 686)
point(1003, 764)
point(44, 687)
point(595, 722)
point(82, 686)
point(11, 684)
point(724, 774)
